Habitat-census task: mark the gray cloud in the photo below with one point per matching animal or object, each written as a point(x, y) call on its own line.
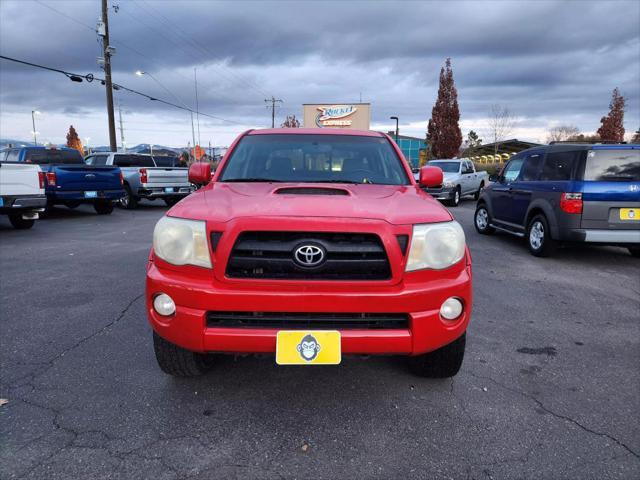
point(550, 62)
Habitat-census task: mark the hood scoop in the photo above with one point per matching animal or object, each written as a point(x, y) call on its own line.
point(311, 191)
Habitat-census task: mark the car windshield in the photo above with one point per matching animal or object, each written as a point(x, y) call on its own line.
point(447, 167)
point(44, 156)
point(315, 158)
point(613, 165)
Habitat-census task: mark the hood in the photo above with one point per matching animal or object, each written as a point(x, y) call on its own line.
point(396, 204)
point(446, 177)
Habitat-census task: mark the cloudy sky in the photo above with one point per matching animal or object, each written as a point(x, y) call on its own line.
point(550, 63)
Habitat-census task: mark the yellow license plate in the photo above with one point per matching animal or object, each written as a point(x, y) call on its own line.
point(630, 214)
point(308, 347)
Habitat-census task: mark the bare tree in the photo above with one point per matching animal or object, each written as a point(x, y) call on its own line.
point(500, 125)
point(562, 133)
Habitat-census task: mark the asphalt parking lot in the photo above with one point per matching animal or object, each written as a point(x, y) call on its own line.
point(550, 385)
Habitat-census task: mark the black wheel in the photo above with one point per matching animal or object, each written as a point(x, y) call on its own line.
point(177, 361)
point(171, 201)
point(539, 237)
point(442, 363)
point(476, 195)
point(103, 207)
point(20, 223)
point(455, 201)
point(129, 201)
point(634, 251)
point(482, 220)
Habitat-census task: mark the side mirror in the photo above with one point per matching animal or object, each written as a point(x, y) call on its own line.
point(430, 177)
point(200, 173)
point(494, 177)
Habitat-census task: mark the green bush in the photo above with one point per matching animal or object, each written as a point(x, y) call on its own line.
point(490, 168)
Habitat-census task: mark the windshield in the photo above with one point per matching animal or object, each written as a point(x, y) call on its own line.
point(613, 165)
point(315, 158)
point(447, 167)
point(43, 157)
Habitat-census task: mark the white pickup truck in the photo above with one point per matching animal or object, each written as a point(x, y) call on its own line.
point(21, 193)
point(459, 178)
point(144, 179)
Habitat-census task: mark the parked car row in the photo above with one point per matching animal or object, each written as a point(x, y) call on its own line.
point(563, 193)
point(35, 179)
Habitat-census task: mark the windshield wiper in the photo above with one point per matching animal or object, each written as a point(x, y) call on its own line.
point(255, 180)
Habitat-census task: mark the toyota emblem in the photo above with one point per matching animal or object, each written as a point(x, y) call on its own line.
point(309, 255)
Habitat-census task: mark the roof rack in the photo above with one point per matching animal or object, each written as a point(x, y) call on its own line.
point(589, 142)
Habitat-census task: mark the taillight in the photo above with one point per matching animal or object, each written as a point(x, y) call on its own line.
point(571, 203)
point(121, 178)
point(143, 175)
point(41, 179)
point(51, 179)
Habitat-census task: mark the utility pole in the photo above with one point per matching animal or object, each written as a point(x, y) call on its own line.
point(273, 101)
point(122, 142)
point(106, 51)
point(195, 76)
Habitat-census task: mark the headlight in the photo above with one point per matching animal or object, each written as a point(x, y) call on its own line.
point(448, 184)
point(181, 242)
point(436, 246)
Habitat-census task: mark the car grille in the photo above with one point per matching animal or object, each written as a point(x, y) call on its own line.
point(318, 321)
point(270, 255)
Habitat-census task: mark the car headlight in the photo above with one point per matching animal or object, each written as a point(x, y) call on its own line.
point(436, 246)
point(181, 242)
point(448, 184)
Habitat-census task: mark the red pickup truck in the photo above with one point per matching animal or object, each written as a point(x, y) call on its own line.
point(310, 244)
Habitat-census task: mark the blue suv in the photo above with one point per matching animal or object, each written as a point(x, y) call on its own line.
point(566, 193)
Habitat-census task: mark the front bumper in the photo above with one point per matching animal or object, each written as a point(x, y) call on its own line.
point(419, 295)
point(443, 193)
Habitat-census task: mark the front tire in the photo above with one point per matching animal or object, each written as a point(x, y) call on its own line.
point(482, 220)
point(177, 361)
point(20, 223)
point(455, 201)
point(103, 207)
point(442, 363)
point(539, 237)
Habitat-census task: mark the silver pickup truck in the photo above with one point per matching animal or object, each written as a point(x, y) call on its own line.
point(459, 178)
point(144, 179)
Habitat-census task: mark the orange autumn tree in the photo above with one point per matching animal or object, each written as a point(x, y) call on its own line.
point(73, 140)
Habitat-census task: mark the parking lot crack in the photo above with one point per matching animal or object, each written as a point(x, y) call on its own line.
point(561, 416)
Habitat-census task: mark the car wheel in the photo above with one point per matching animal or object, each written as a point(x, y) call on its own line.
point(129, 201)
point(634, 251)
point(482, 220)
point(539, 237)
point(20, 223)
point(103, 207)
point(171, 201)
point(476, 195)
point(442, 363)
point(455, 201)
point(179, 362)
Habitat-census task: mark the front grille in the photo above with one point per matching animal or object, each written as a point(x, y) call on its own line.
point(317, 321)
point(270, 255)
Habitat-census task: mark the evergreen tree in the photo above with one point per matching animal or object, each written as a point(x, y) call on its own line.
point(443, 134)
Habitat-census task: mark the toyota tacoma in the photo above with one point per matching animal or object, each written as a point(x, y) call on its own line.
point(310, 244)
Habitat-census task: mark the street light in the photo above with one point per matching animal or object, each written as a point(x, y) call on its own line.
point(33, 123)
point(140, 73)
point(396, 119)
point(86, 141)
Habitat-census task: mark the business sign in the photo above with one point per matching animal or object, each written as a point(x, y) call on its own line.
point(337, 116)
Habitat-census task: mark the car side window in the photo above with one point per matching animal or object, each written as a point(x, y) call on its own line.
point(466, 167)
point(531, 167)
point(89, 160)
point(512, 170)
point(558, 166)
point(99, 160)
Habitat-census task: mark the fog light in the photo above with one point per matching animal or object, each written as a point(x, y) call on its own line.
point(164, 305)
point(451, 308)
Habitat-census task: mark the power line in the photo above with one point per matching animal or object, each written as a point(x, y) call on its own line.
point(273, 101)
point(77, 77)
